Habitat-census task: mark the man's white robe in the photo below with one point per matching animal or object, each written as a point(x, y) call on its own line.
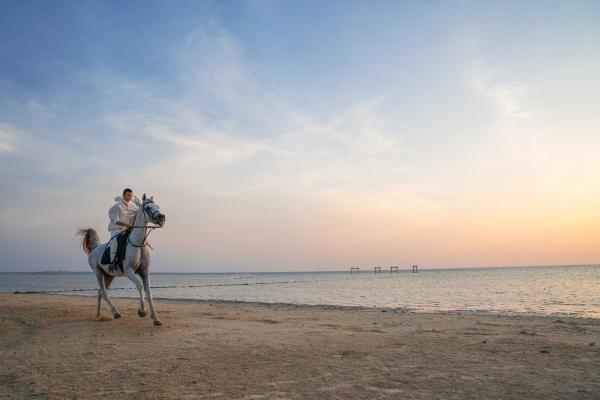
point(121, 211)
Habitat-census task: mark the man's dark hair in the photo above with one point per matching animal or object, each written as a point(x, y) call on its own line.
point(127, 191)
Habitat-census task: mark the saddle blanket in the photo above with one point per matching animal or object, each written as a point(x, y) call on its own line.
point(121, 239)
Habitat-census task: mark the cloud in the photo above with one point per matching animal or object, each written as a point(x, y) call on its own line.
point(8, 139)
point(229, 122)
point(508, 97)
point(211, 58)
point(221, 148)
point(523, 151)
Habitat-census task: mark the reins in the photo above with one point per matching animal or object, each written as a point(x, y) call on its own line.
point(144, 242)
point(150, 228)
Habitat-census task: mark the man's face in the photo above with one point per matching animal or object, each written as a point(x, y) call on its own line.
point(128, 196)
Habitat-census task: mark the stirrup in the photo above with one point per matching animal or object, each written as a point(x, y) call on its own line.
point(113, 267)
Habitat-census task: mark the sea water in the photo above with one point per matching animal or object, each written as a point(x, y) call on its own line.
point(548, 290)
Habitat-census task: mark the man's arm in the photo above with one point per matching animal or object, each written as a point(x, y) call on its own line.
point(113, 214)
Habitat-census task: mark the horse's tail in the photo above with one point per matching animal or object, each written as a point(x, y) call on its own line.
point(89, 239)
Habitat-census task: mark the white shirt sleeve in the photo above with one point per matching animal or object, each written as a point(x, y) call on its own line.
point(114, 214)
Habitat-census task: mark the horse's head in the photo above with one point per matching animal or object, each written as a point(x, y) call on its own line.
point(152, 211)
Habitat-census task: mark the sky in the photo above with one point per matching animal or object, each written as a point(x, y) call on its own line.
point(303, 135)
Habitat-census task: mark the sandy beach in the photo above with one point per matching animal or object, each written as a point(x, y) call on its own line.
point(52, 347)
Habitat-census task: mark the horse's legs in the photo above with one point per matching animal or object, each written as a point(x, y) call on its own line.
point(131, 275)
point(98, 312)
point(146, 280)
point(107, 281)
point(100, 277)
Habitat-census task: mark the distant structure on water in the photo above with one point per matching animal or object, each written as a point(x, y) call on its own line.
point(377, 270)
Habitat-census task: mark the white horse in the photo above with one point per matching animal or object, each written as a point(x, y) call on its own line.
point(137, 258)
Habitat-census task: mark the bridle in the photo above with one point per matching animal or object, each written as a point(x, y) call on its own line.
point(150, 228)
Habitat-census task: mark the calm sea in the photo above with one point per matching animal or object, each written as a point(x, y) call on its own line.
point(548, 290)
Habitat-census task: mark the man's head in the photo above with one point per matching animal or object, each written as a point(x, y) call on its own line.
point(127, 195)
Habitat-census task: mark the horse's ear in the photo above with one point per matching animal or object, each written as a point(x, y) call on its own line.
point(151, 198)
point(144, 197)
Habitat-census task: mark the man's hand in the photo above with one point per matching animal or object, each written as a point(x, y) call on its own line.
point(123, 224)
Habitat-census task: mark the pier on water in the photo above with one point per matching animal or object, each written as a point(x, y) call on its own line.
point(377, 270)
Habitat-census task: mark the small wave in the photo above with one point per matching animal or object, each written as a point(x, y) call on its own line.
point(168, 286)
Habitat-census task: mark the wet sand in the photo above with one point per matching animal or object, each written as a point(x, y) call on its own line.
point(51, 346)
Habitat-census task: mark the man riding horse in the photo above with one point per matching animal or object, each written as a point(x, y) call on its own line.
point(132, 221)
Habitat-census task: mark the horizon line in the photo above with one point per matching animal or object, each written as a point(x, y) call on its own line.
point(366, 269)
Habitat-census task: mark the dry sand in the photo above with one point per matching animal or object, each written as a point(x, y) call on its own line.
point(52, 347)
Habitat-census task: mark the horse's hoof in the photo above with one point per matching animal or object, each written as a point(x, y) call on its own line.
point(141, 314)
point(157, 322)
point(117, 316)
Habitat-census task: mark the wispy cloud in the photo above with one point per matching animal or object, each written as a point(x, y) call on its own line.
point(508, 96)
point(228, 121)
point(8, 139)
point(211, 59)
point(523, 151)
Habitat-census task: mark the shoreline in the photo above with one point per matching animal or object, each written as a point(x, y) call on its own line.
point(536, 291)
point(502, 313)
point(52, 347)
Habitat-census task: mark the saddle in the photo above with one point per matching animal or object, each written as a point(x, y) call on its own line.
point(117, 263)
